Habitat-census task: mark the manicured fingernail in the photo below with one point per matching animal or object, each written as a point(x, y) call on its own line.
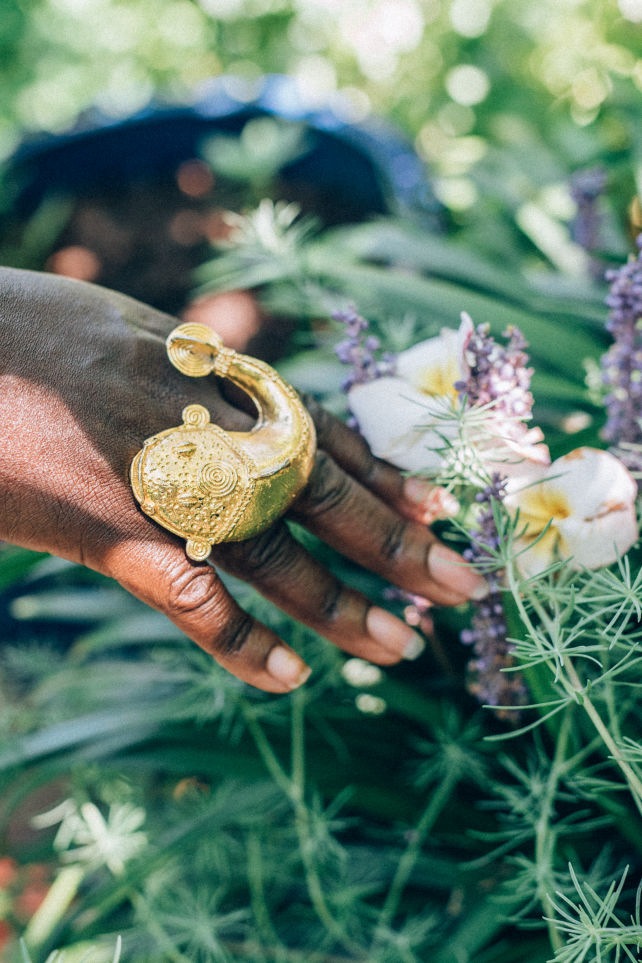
point(449, 569)
point(286, 667)
point(414, 648)
point(417, 490)
point(393, 634)
point(436, 502)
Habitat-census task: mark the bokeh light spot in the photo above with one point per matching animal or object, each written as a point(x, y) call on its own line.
point(467, 84)
point(194, 178)
point(76, 262)
point(470, 17)
point(631, 9)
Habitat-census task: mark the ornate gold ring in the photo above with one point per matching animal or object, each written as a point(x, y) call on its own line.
point(209, 485)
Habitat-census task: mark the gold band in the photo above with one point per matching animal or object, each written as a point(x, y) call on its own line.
point(209, 485)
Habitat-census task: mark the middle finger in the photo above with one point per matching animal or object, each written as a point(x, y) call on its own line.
point(361, 526)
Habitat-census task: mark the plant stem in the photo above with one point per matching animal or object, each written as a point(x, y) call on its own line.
point(294, 789)
point(573, 684)
point(409, 857)
point(545, 838)
point(54, 906)
point(634, 782)
point(257, 895)
point(142, 907)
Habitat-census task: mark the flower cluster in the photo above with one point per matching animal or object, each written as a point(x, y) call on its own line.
point(499, 378)
point(498, 374)
point(487, 633)
point(567, 508)
point(622, 363)
point(411, 418)
point(580, 508)
point(359, 350)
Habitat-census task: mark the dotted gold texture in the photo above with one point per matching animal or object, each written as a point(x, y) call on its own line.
point(203, 483)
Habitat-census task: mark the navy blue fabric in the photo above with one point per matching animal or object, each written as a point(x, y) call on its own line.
point(370, 166)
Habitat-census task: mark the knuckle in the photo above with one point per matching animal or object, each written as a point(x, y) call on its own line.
point(193, 595)
point(329, 487)
point(370, 466)
point(394, 540)
point(330, 604)
point(233, 635)
point(191, 590)
point(268, 555)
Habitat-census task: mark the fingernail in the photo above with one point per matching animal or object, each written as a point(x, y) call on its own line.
point(417, 490)
point(393, 634)
point(435, 501)
point(287, 667)
point(449, 568)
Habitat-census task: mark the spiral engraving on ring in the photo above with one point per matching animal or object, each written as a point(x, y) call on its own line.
point(197, 358)
point(218, 479)
point(195, 416)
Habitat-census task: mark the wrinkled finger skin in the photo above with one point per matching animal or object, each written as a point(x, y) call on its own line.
point(84, 379)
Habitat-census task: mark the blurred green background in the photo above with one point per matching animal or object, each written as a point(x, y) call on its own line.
point(461, 77)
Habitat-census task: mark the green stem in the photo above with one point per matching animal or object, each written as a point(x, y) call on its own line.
point(545, 838)
point(267, 754)
point(410, 855)
point(54, 906)
point(294, 789)
point(303, 823)
point(573, 684)
point(633, 780)
point(257, 895)
point(609, 698)
point(145, 912)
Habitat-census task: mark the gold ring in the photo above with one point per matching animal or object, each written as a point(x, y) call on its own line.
point(209, 485)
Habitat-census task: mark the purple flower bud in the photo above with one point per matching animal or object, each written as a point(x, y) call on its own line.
point(359, 350)
point(498, 375)
point(622, 363)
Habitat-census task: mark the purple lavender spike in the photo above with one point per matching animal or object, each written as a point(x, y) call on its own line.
point(359, 350)
point(622, 363)
point(498, 375)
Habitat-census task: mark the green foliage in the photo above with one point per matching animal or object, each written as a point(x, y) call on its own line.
point(377, 815)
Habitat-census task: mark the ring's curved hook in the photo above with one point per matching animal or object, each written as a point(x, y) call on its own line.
point(209, 485)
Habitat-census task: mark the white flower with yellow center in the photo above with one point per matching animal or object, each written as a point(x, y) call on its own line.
point(404, 418)
point(408, 419)
point(587, 500)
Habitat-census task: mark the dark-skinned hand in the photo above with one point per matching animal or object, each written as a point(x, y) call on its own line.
point(84, 379)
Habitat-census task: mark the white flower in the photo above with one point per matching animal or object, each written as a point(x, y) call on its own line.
point(587, 498)
point(398, 422)
point(404, 418)
point(410, 418)
point(433, 366)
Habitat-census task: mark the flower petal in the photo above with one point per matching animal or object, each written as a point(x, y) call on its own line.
point(592, 481)
point(513, 450)
point(602, 524)
point(539, 553)
point(588, 496)
point(433, 366)
point(392, 417)
point(601, 541)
